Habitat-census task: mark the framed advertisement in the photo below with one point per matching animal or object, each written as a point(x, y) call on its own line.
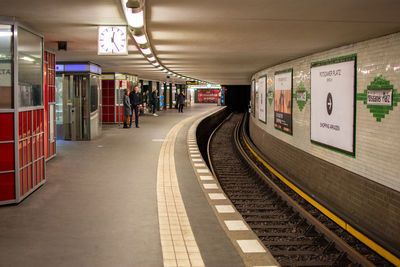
point(333, 91)
point(283, 100)
point(253, 99)
point(262, 101)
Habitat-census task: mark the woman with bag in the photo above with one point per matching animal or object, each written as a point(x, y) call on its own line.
point(127, 109)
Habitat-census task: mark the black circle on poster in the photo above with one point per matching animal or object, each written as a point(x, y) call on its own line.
point(329, 104)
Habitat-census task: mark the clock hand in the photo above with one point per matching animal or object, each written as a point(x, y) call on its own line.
point(116, 47)
point(112, 38)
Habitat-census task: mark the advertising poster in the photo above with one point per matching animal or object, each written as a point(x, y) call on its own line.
point(262, 107)
point(333, 104)
point(283, 101)
point(207, 95)
point(253, 104)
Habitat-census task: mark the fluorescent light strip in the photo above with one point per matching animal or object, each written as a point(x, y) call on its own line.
point(140, 39)
point(136, 20)
point(146, 51)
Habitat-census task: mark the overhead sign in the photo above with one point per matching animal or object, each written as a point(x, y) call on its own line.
point(283, 101)
point(380, 97)
point(332, 104)
point(262, 106)
point(192, 83)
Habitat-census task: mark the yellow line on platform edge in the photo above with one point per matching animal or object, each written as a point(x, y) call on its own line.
point(374, 246)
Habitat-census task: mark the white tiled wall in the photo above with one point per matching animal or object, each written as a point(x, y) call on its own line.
point(377, 143)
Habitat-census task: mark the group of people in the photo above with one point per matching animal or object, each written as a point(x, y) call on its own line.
point(133, 104)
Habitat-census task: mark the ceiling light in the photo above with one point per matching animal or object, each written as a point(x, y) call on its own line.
point(134, 20)
point(169, 72)
point(141, 39)
point(164, 71)
point(151, 58)
point(160, 68)
point(137, 19)
point(156, 64)
point(146, 51)
point(5, 34)
point(174, 74)
point(27, 59)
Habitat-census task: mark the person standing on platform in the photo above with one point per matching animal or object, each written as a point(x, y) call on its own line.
point(136, 101)
point(181, 101)
point(127, 109)
point(154, 101)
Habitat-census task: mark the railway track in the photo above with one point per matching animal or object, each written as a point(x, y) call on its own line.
point(294, 231)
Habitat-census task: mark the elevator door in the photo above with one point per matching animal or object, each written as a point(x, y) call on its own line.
point(75, 113)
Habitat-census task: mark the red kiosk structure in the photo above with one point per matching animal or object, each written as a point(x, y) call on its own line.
point(113, 86)
point(24, 114)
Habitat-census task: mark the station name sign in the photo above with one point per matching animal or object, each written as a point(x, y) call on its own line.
point(381, 97)
point(192, 83)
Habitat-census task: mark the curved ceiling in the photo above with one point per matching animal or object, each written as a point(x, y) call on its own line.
point(222, 41)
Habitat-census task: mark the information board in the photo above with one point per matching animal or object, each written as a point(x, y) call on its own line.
point(283, 101)
point(333, 104)
point(207, 95)
point(262, 106)
point(253, 103)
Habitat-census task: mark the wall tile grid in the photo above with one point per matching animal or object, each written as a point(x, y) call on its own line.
point(31, 150)
point(377, 143)
point(108, 91)
point(7, 178)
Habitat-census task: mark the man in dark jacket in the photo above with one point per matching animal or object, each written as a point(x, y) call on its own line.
point(154, 101)
point(136, 102)
point(180, 100)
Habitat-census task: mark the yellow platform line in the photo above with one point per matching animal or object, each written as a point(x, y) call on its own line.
point(367, 241)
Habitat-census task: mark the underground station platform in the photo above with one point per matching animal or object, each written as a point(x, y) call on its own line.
point(129, 198)
point(184, 189)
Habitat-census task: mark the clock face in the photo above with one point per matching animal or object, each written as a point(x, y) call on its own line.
point(112, 40)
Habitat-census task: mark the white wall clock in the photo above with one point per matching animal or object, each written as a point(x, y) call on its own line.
point(112, 40)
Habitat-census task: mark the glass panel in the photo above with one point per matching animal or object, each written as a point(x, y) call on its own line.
point(6, 67)
point(30, 69)
point(59, 99)
point(94, 94)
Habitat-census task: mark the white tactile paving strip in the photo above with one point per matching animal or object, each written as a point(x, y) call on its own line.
point(216, 196)
point(178, 243)
point(206, 178)
point(210, 186)
point(250, 246)
point(236, 225)
point(224, 208)
point(253, 252)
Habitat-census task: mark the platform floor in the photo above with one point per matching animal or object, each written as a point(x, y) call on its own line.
point(99, 205)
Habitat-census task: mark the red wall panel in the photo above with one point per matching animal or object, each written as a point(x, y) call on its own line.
point(7, 186)
point(6, 157)
point(7, 126)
